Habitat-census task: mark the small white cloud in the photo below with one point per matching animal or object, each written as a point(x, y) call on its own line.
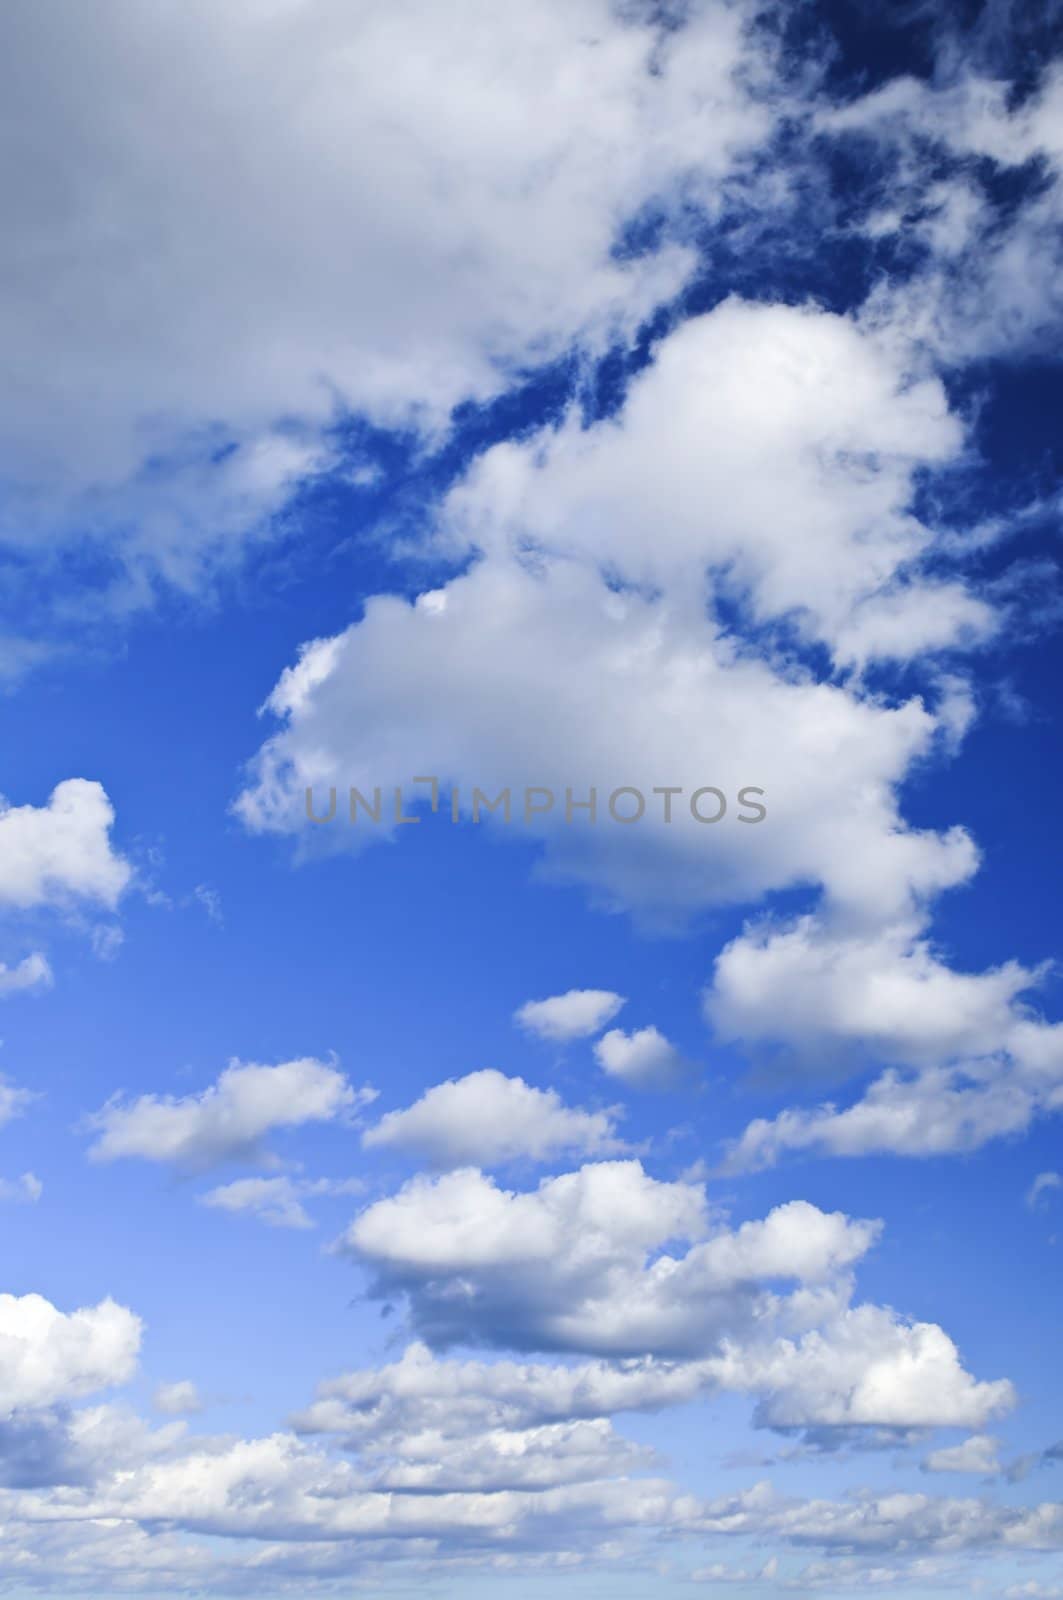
point(107, 939)
point(210, 900)
point(13, 1101)
point(644, 1059)
point(33, 972)
point(228, 1120)
point(61, 851)
point(1042, 1184)
point(278, 1202)
point(978, 1454)
point(181, 1399)
point(574, 1015)
point(26, 1190)
point(486, 1118)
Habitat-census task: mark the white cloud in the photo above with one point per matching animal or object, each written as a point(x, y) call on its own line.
point(865, 1367)
point(497, 1459)
point(13, 1100)
point(278, 1202)
point(48, 1356)
point(935, 1111)
point(642, 692)
point(314, 1520)
point(447, 191)
point(180, 1399)
point(1042, 1184)
point(422, 1393)
point(227, 1121)
point(587, 1263)
point(767, 456)
point(486, 1118)
point(577, 1264)
point(574, 1015)
point(26, 1190)
point(33, 972)
point(773, 442)
point(422, 1423)
point(977, 1454)
point(990, 281)
point(838, 998)
point(61, 851)
point(643, 1059)
point(853, 1367)
point(884, 991)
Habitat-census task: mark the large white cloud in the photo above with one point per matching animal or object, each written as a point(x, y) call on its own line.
point(486, 1118)
point(640, 692)
point(588, 1263)
point(265, 214)
point(228, 1120)
point(47, 1355)
point(774, 444)
point(580, 1262)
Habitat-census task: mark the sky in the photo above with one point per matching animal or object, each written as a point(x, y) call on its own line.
point(532, 1035)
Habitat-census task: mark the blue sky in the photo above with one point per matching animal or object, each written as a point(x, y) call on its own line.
point(552, 396)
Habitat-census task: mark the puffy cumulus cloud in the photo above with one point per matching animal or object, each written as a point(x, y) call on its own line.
point(486, 1118)
point(977, 1454)
point(59, 1446)
point(228, 1120)
point(644, 1059)
point(772, 452)
point(448, 192)
point(453, 1462)
point(181, 1399)
point(864, 1367)
point(883, 991)
point(579, 1263)
point(857, 1367)
point(60, 852)
point(278, 1202)
point(775, 445)
point(981, 1064)
point(576, 1014)
point(937, 1112)
point(522, 675)
point(33, 972)
point(47, 1355)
